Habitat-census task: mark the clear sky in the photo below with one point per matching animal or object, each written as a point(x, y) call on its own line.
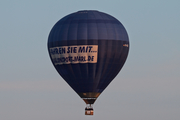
point(147, 88)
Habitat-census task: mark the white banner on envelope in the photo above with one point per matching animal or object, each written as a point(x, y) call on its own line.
point(74, 54)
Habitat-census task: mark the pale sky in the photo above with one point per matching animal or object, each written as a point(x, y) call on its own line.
point(146, 88)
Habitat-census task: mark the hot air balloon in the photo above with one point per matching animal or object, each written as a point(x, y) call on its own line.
point(88, 49)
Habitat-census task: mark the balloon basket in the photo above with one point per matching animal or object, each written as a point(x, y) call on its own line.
point(89, 110)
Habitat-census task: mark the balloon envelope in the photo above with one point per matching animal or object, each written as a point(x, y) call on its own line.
point(88, 49)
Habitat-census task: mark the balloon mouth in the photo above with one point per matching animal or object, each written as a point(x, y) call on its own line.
point(89, 97)
point(89, 94)
point(89, 100)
